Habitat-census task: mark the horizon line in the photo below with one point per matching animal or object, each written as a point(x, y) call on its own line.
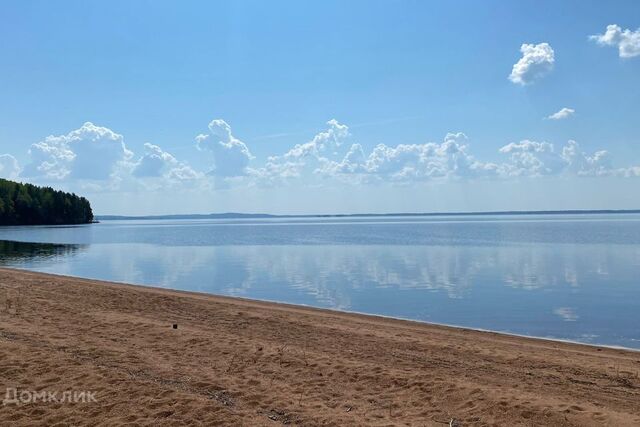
point(389, 214)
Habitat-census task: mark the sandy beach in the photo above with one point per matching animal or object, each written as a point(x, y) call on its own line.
point(239, 362)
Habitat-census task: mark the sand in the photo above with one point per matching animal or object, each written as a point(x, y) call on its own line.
point(241, 362)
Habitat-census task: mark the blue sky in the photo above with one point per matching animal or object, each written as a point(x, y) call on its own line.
point(254, 79)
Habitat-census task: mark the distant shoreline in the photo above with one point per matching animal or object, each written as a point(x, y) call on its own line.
point(237, 215)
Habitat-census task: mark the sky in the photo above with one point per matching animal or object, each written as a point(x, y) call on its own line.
point(160, 107)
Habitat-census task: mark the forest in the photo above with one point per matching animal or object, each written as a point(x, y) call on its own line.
point(26, 204)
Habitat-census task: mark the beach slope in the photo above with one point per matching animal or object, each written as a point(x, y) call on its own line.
point(239, 362)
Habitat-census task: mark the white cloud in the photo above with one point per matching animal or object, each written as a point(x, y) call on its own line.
point(537, 60)
point(183, 172)
point(304, 159)
point(90, 152)
point(9, 167)
point(353, 162)
point(583, 164)
point(449, 159)
point(564, 113)
point(323, 156)
point(630, 172)
point(49, 159)
point(98, 159)
point(430, 160)
point(627, 41)
point(156, 163)
point(231, 156)
point(531, 158)
point(329, 139)
point(407, 162)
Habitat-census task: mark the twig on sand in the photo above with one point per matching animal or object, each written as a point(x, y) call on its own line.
point(452, 422)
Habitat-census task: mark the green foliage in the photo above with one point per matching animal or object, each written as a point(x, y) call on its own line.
point(26, 204)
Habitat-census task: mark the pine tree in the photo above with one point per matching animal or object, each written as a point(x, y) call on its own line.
point(26, 204)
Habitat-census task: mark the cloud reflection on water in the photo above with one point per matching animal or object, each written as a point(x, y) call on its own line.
point(528, 289)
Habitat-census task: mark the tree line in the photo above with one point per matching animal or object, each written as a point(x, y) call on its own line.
point(26, 204)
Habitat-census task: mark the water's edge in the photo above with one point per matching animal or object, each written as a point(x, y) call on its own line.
point(329, 310)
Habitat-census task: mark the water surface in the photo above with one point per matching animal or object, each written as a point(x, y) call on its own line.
point(556, 276)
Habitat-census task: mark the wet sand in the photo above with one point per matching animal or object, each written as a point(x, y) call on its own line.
point(240, 362)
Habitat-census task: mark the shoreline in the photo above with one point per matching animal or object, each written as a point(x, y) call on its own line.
point(242, 361)
point(239, 215)
point(331, 310)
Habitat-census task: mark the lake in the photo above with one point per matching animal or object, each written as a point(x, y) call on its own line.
point(570, 277)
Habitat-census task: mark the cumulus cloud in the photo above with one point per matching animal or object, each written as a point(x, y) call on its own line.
point(532, 158)
point(564, 113)
point(326, 156)
point(231, 156)
point(424, 161)
point(416, 161)
point(156, 163)
point(49, 159)
point(98, 157)
point(9, 168)
point(311, 157)
point(631, 171)
point(90, 152)
point(537, 60)
point(403, 162)
point(627, 41)
point(183, 172)
point(353, 162)
point(580, 163)
point(329, 139)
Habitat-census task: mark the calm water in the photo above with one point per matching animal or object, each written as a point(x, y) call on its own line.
point(567, 277)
